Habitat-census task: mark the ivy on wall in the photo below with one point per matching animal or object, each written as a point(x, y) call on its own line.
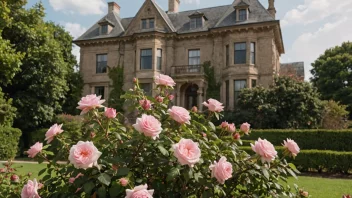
point(214, 87)
point(117, 78)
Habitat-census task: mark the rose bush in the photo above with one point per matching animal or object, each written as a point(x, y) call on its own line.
point(167, 152)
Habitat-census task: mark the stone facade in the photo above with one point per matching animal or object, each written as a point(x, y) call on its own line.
point(213, 43)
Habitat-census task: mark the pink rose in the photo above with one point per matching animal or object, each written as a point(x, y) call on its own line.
point(179, 114)
point(149, 126)
point(159, 99)
point(171, 97)
point(123, 181)
point(52, 132)
point(165, 80)
point(194, 109)
point(291, 146)
point(187, 152)
point(214, 105)
point(35, 149)
point(265, 149)
point(110, 112)
point(139, 192)
point(90, 102)
point(232, 127)
point(245, 127)
point(84, 155)
point(224, 125)
point(30, 190)
point(146, 104)
point(221, 170)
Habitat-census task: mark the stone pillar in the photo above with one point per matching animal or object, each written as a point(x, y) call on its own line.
point(92, 91)
point(232, 94)
point(200, 98)
point(178, 95)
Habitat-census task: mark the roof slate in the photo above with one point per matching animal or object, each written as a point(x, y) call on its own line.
point(220, 16)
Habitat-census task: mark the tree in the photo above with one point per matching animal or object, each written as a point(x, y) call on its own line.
point(286, 104)
point(116, 76)
point(334, 115)
point(332, 74)
point(40, 86)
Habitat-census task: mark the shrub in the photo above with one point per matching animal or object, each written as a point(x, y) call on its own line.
point(7, 111)
point(169, 150)
point(334, 115)
point(9, 142)
point(321, 139)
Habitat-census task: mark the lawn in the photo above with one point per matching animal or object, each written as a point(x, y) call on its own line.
point(323, 187)
point(25, 168)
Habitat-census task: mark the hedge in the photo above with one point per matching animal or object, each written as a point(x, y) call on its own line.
point(9, 142)
point(336, 140)
point(318, 160)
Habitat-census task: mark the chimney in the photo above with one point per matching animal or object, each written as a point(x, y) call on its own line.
point(271, 8)
point(113, 7)
point(173, 6)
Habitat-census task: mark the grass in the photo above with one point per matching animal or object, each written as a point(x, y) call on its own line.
point(323, 187)
point(25, 168)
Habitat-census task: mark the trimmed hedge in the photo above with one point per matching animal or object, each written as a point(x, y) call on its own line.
point(336, 140)
point(318, 160)
point(9, 142)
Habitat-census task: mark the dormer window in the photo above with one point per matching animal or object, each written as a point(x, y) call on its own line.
point(197, 20)
point(148, 23)
point(242, 15)
point(105, 26)
point(104, 29)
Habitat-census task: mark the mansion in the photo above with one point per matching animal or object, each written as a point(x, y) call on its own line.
point(242, 41)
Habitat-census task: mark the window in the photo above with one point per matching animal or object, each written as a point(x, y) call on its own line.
point(239, 85)
point(159, 53)
point(227, 94)
point(104, 29)
point(242, 14)
point(252, 53)
point(254, 83)
point(151, 23)
point(144, 23)
point(147, 88)
point(99, 91)
point(146, 59)
point(227, 55)
point(196, 22)
point(194, 57)
point(240, 53)
point(102, 62)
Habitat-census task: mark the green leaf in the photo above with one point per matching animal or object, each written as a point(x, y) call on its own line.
point(122, 171)
point(173, 173)
point(104, 179)
point(88, 187)
point(102, 192)
point(293, 167)
point(265, 172)
point(41, 171)
point(292, 173)
point(212, 126)
point(206, 194)
point(163, 150)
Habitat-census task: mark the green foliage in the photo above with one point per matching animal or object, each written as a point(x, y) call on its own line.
point(213, 90)
point(286, 104)
point(7, 111)
point(9, 142)
point(321, 139)
point(332, 74)
point(117, 78)
point(320, 160)
point(334, 115)
point(75, 84)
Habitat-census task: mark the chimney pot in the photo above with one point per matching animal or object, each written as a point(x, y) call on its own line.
point(271, 8)
point(113, 7)
point(173, 6)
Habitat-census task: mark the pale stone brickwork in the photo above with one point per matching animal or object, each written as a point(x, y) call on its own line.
point(175, 41)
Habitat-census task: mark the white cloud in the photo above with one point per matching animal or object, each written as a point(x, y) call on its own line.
point(192, 2)
point(316, 10)
point(75, 30)
point(84, 7)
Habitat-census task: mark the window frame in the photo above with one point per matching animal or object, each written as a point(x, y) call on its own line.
point(159, 59)
point(196, 22)
point(150, 22)
point(98, 94)
point(227, 55)
point(254, 81)
point(151, 59)
point(237, 92)
point(97, 66)
point(144, 24)
point(242, 16)
point(252, 53)
point(227, 93)
point(244, 51)
point(193, 57)
point(104, 29)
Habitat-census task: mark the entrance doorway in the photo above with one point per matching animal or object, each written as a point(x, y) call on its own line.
point(191, 96)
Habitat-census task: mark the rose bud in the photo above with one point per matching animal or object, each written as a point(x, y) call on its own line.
point(15, 178)
point(236, 136)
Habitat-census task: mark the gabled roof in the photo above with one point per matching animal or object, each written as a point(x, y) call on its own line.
point(242, 4)
point(220, 16)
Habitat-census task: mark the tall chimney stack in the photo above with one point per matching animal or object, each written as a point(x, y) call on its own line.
point(271, 8)
point(113, 7)
point(173, 6)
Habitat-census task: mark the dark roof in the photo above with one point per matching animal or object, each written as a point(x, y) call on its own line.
point(220, 16)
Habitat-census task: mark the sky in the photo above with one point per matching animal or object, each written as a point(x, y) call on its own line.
point(309, 27)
